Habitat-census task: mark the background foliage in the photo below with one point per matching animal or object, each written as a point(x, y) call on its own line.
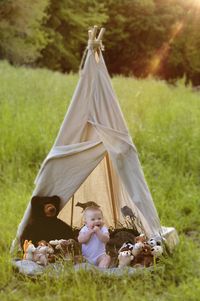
point(144, 37)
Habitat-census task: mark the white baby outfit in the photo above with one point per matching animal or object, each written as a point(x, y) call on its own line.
point(94, 248)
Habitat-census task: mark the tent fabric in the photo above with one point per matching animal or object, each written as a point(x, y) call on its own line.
point(94, 159)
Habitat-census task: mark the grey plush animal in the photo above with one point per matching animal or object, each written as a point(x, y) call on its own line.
point(126, 211)
point(87, 204)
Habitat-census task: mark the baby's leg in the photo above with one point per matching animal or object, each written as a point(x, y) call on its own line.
point(103, 261)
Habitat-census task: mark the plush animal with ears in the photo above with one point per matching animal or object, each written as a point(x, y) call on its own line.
point(125, 257)
point(87, 204)
point(66, 249)
point(157, 251)
point(144, 257)
point(40, 254)
point(29, 250)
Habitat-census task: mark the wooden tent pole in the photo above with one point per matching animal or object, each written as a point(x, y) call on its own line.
point(94, 41)
point(72, 210)
point(101, 33)
point(111, 191)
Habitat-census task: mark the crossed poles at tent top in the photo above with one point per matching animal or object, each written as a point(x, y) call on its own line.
point(95, 42)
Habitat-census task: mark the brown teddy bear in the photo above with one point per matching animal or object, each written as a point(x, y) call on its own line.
point(44, 223)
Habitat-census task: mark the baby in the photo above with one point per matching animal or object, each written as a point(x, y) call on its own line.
point(93, 237)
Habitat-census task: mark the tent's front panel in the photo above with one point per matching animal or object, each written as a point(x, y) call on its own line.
point(103, 187)
point(95, 189)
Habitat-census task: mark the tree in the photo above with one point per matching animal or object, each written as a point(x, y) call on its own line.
point(182, 57)
point(134, 32)
point(66, 28)
point(22, 35)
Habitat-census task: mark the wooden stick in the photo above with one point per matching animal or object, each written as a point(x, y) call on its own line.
point(90, 34)
point(111, 190)
point(100, 36)
point(72, 210)
point(94, 32)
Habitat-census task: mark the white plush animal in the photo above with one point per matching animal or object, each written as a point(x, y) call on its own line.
point(138, 246)
point(41, 254)
point(134, 248)
point(58, 242)
point(157, 251)
point(155, 241)
point(125, 257)
point(152, 242)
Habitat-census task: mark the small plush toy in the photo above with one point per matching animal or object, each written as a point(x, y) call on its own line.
point(117, 238)
point(128, 245)
point(87, 204)
point(29, 250)
point(157, 251)
point(141, 238)
point(144, 257)
point(125, 257)
point(60, 247)
point(66, 249)
point(42, 252)
point(140, 241)
point(155, 241)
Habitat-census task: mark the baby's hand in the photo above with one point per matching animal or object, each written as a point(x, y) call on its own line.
point(91, 230)
point(96, 229)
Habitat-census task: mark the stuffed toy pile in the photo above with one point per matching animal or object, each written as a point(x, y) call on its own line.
point(49, 252)
point(47, 238)
point(141, 253)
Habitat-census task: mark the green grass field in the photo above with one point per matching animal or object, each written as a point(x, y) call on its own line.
point(164, 122)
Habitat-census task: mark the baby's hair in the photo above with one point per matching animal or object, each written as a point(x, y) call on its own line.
point(91, 208)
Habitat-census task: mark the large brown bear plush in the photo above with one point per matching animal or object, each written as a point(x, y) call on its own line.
point(44, 224)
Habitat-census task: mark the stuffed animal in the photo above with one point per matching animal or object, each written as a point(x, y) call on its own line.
point(67, 249)
point(117, 238)
point(157, 251)
point(40, 254)
point(128, 245)
point(144, 257)
point(140, 241)
point(87, 204)
point(155, 241)
point(125, 257)
point(145, 252)
point(44, 223)
point(29, 250)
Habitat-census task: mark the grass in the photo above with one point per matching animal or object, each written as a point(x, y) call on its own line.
point(164, 124)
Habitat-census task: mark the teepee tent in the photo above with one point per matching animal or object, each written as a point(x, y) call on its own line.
point(94, 158)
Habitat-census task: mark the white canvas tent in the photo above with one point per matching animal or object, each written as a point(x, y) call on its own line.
point(93, 157)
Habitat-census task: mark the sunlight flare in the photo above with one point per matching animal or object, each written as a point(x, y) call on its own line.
point(162, 52)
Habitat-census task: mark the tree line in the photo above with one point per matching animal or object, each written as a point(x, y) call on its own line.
point(143, 37)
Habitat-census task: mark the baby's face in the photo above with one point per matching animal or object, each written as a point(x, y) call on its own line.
point(93, 218)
